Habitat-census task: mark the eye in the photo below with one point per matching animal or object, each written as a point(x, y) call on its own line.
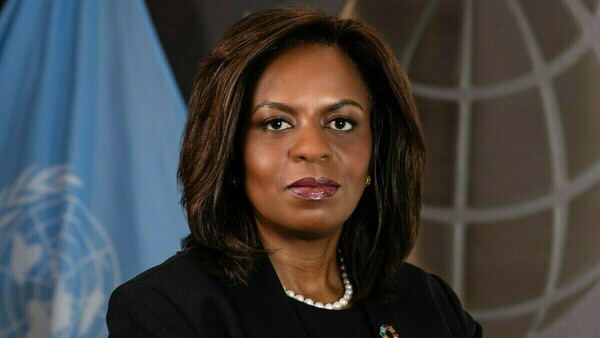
point(341, 124)
point(276, 125)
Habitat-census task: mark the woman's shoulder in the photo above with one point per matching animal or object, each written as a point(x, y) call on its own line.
point(177, 298)
point(413, 278)
point(182, 273)
point(428, 296)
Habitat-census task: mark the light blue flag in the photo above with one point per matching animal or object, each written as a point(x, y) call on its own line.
point(90, 126)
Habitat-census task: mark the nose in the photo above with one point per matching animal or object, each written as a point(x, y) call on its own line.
point(310, 144)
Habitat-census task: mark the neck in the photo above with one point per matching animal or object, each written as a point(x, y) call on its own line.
point(308, 267)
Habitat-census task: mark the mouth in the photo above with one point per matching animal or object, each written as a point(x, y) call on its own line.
point(314, 188)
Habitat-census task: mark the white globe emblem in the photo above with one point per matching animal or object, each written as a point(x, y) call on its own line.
point(57, 263)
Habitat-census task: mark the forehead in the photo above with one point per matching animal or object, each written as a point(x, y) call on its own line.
point(308, 50)
point(315, 68)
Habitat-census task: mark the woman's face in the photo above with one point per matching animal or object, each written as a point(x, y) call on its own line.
point(307, 142)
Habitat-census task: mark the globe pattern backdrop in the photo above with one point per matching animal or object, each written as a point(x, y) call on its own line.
point(508, 94)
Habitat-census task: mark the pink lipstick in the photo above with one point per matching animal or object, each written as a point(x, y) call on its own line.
point(314, 188)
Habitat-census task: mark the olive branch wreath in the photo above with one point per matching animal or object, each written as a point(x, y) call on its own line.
point(33, 185)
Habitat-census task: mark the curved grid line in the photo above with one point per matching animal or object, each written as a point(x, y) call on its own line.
point(40, 228)
point(101, 232)
point(557, 151)
point(589, 25)
point(564, 194)
point(94, 252)
point(79, 305)
point(522, 83)
point(35, 230)
point(98, 253)
point(463, 150)
point(417, 34)
point(588, 279)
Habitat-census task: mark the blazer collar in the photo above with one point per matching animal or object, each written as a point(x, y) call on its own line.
point(266, 307)
point(267, 311)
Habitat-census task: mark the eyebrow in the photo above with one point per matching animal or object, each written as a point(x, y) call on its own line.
point(288, 109)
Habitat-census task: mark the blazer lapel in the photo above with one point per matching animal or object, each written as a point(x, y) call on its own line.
point(265, 307)
point(413, 314)
point(382, 320)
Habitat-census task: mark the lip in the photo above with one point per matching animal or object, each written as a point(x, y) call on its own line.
point(314, 188)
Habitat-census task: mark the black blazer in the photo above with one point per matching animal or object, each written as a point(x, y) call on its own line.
point(180, 299)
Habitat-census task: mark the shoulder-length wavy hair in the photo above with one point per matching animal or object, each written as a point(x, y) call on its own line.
point(380, 233)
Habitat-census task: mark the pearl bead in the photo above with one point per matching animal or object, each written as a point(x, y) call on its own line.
point(339, 304)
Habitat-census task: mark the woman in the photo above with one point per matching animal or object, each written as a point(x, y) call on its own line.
point(301, 171)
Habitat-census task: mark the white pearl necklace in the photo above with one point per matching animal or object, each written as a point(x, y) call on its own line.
point(342, 302)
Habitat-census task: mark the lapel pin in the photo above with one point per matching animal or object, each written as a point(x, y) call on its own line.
point(386, 329)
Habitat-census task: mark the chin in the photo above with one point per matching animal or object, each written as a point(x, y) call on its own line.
point(313, 233)
point(315, 227)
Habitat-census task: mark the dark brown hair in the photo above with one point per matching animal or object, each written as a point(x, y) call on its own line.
point(380, 233)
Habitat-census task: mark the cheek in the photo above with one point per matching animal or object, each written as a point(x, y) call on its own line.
point(358, 157)
point(358, 169)
point(260, 169)
point(261, 164)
